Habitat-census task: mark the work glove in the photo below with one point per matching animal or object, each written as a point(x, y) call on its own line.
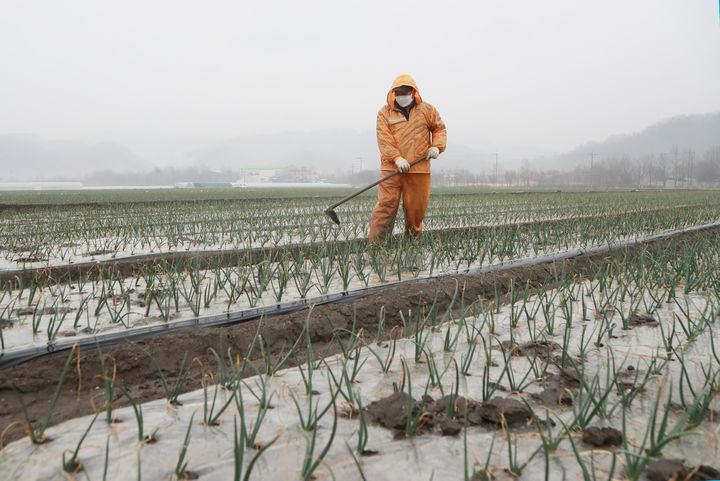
point(402, 164)
point(432, 153)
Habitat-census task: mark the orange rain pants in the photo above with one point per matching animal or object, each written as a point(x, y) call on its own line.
point(415, 192)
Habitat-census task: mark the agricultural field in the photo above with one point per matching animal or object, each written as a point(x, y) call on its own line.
point(243, 335)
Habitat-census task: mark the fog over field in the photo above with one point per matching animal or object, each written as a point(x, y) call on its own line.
point(136, 85)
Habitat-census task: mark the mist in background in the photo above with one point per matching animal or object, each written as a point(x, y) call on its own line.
point(131, 86)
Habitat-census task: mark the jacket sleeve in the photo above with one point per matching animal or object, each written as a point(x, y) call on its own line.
point(389, 150)
point(439, 132)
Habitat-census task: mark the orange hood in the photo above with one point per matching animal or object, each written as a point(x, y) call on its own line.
point(400, 80)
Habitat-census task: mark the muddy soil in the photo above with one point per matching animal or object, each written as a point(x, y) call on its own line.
point(675, 469)
point(391, 412)
point(34, 382)
point(495, 412)
point(448, 414)
point(602, 437)
point(641, 320)
point(541, 349)
point(558, 389)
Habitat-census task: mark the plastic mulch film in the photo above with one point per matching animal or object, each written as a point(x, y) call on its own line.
point(12, 357)
point(115, 449)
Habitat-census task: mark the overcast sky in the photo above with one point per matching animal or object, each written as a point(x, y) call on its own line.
point(538, 75)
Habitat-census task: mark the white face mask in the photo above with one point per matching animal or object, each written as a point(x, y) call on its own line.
point(404, 100)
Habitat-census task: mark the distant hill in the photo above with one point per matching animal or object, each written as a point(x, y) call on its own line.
point(696, 132)
point(324, 151)
point(32, 157)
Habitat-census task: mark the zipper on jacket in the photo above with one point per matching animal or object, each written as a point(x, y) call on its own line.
point(404, 110)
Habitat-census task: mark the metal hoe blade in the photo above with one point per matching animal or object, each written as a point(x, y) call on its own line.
point(331, 213)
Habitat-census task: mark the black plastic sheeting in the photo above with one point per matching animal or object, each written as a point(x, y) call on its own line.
point(13, 358)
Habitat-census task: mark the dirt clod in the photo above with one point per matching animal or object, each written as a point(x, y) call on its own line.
point(482, 476)
point(675, 469)
point(570, 376)
point(514, 412)
point(602, 437)
point(491, 412)
point(640, 319)
point(449, 427)
point(541, 349)
point(558, 389)
point(391, 412)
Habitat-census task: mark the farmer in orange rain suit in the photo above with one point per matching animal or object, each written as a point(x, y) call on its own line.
point(407, 129)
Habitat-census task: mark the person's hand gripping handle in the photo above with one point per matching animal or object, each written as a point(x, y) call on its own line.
point(402, 165)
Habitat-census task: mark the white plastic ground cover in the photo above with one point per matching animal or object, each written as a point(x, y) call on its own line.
point(423, 456)
point(101, 257)
point(110, 248)
point(21, 344)
point(89, 254)
point(93, 252)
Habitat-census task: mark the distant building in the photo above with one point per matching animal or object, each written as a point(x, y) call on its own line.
point(276, 173)
point(302, 174)
point(261, 174)
point(203, 185)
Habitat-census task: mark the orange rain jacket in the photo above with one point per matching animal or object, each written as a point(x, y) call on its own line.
point(408, 138)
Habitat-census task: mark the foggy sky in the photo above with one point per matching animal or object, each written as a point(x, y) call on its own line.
point(538, 76)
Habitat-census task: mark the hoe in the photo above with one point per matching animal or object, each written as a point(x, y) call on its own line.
point(330, 211)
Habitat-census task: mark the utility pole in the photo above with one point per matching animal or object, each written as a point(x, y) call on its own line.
point(352, 164)
point(592, 162)
point(496, 168)
point(692, 164)
point(663, 168)
point(689, 170)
